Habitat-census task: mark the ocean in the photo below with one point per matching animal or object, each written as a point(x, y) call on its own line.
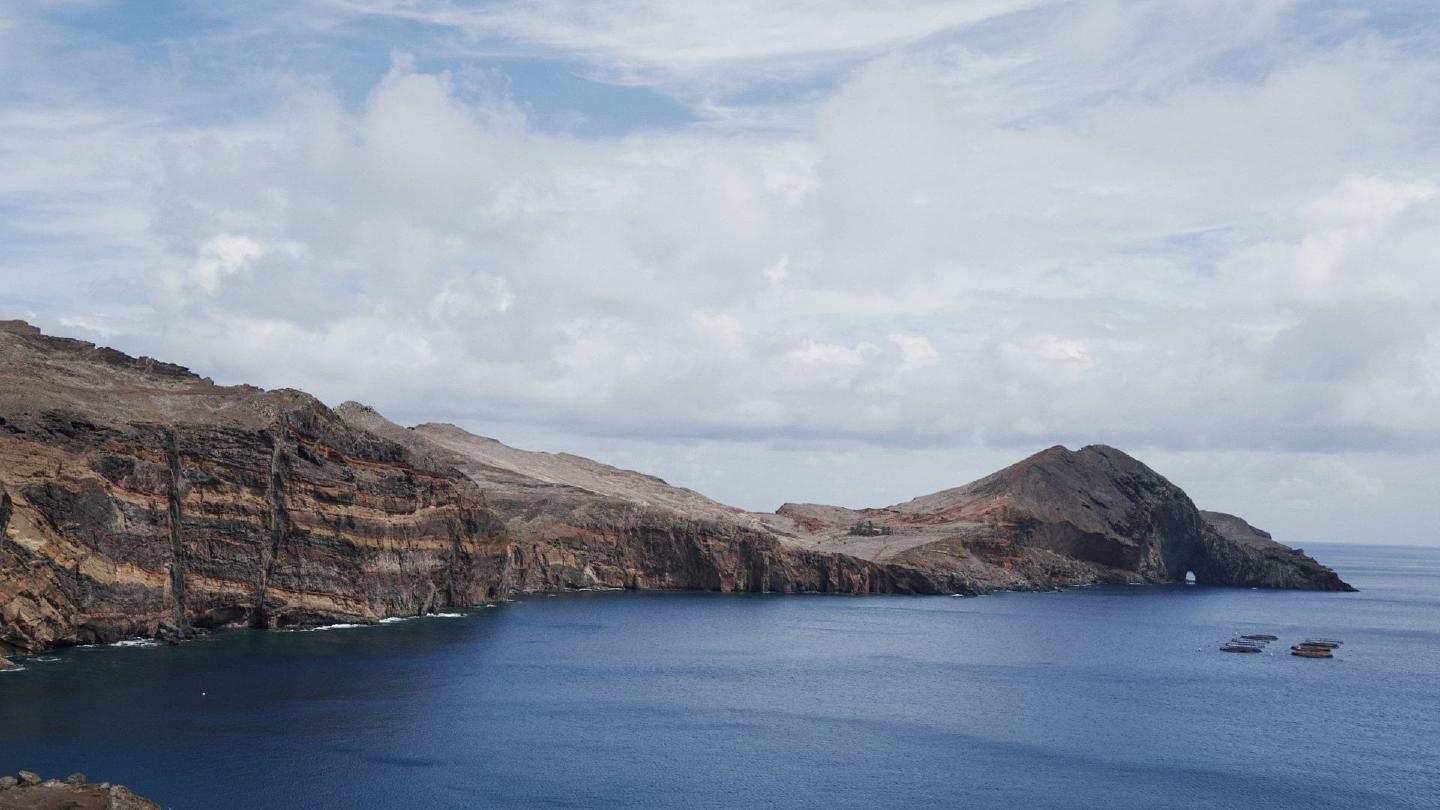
point(1112, 697)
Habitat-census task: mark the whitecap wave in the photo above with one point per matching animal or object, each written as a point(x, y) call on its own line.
point(395, 619)
point(136, 642)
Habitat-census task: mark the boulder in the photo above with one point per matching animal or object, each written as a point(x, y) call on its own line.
point(122, 799)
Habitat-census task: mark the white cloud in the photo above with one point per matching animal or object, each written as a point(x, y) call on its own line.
point(697, 45)
point(916, 352)
point(1197, 229)
point(221, 256)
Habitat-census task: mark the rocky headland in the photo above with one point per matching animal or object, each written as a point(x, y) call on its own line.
point(140, 499)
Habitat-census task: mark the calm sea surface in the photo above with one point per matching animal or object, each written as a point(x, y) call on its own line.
point(1097, 697)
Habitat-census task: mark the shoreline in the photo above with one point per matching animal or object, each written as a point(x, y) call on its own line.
point(146, 642)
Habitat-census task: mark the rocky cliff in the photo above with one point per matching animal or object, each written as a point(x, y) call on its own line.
point(139, 499)
point(1243, 554)
point(1058, 518)
point(576, 523)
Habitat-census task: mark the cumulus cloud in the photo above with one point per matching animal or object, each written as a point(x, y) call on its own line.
point(1205, 231)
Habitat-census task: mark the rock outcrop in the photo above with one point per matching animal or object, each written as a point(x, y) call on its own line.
point(1059, 518)
point(142, 500)
point(28, 791)
point(576, 523)
point(1245, 555)
point(139, 499)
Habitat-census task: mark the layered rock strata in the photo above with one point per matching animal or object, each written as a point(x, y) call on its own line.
point(575, 523)
point(141, 500)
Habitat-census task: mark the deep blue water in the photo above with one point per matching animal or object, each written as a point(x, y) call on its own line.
point(1097, 697)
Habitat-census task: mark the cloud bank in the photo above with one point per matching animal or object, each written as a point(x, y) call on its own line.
point(893, 247)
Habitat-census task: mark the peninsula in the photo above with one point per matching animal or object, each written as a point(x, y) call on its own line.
point(140, 499)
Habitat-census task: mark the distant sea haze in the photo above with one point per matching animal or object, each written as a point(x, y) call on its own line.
point(1109, 696)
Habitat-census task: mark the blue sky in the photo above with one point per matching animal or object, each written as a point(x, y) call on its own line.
point(228, 49)
point(829, 251)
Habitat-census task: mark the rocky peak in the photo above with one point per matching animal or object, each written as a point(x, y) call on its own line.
point(1061, 515)
point(20, 340)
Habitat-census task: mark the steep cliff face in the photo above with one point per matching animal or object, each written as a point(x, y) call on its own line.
point(576, 523)
point(1060, 517)
point(1245, 555)
point(144, 500)
point(139, 499)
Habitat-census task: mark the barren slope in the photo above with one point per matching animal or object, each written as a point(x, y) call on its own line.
point(577, 523)
point(1060, 517)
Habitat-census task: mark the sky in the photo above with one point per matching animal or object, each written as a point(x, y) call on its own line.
point(842, 252)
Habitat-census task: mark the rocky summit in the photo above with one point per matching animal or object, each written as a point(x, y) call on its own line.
point(1058, 518)
point(140, 499)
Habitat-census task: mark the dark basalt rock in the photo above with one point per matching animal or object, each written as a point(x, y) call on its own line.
point(1240, 554)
